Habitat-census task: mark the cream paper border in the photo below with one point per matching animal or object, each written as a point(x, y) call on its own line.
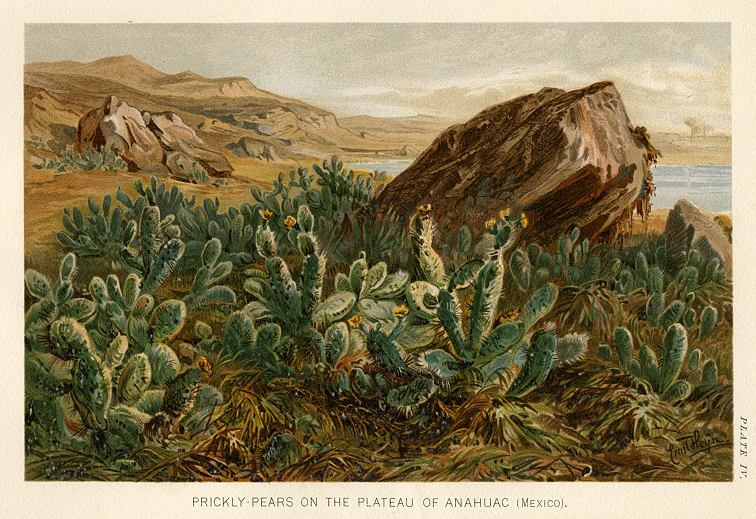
point(586, 500)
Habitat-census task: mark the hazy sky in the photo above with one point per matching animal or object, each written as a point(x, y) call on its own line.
point(665, 72)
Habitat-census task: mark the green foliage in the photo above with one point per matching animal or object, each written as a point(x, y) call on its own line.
point(479, 347)
point(369, 332)
point(96, 366)
point(233, 228)
point(573, 263)
point(205, 289)
point(169, 201)
point(104, 159)
point(102, 233)
point(278, 297)
point(663, 373)
point(52, 301)
point(374, 290)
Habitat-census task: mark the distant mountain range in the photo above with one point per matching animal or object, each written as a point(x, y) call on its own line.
point(230, 114)
point(245, 122)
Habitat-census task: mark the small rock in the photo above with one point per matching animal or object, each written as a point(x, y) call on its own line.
point(689, 227)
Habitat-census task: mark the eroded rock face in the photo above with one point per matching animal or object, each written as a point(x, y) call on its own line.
point(121, 127)
point(247, 147)
point(147, 141)
point(689, 227)
point(565, 158)
point(177, 136)
point(183, 167)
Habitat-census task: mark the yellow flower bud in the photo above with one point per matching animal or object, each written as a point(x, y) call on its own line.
point(355, 321)
point(490, 223)
point(205, 365)
point(290, 222)
point(266, 214)
point(504, 213)
point(401, 311)
point(523, 220)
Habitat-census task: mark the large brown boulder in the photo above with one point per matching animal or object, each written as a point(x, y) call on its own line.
point(156, 143)
point(688, 227)
point(121, 127)
point(565, 158)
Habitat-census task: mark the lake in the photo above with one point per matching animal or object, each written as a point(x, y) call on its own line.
point(392, 167)
point(707, 186)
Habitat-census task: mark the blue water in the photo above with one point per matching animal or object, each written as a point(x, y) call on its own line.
point(708, 187)
point(392, 167)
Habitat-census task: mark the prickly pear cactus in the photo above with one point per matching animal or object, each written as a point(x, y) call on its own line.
point(675, 374)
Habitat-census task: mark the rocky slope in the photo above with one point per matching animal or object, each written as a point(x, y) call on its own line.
point(156, 143)
point(565, 158)
point(222, 111)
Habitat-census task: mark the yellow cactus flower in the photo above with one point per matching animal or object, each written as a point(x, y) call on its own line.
point(290, 222)
point(490, 223)
point(266, 215)
point(504, 213)
point(401, 311)
point(355, 321)
point(424, 208)
point(523, 220)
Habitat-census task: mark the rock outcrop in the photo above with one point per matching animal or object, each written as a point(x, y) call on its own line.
point(149, 142)
point(118, 126)
point(689, 227)
point(250, 148)
point(565, 158)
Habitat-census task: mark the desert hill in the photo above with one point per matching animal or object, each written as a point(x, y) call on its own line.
point(223, 111)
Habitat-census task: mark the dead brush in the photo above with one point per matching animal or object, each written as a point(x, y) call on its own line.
point(633, 416)
point(338, 461)
point(507, 422)
point(492, 463)
point(612, 408)
point(592, 307)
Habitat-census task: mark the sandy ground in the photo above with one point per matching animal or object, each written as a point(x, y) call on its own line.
point(657, 219)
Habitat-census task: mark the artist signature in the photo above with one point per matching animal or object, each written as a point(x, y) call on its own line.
point(696, 443)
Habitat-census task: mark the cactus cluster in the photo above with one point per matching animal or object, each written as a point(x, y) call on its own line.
point(169, 201)
point(373, 289)
point(669, 299)
point(331, 194)
point(104, 159)
point(574, 262)
point(53, 300)
point(663, 372)
point(277, 296)
point(102, 233)
point(102, 369)
point(233, 228)
point(690, 272)
point(484, 346)
point(159, 251)
point(205, 288)
point(333, 191)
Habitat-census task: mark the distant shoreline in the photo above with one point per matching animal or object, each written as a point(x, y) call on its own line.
point(687, 164)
